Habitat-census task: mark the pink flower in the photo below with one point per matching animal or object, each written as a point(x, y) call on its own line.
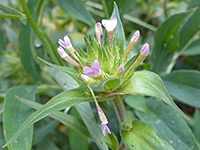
point(66, 43)
point(62, 52)
point(94, 71)
point(105, 128)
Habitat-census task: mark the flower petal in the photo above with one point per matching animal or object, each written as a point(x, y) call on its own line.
point(110, 24)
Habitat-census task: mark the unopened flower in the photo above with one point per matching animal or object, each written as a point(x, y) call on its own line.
point(132, 43)
point(98, 30)
point(145, 49)
point(94, 71)
point(87, 79)
point(143, 53)
point(65, 56)
point(120, 70)
point(67, 45)
point(135, 36)
point(104, 129)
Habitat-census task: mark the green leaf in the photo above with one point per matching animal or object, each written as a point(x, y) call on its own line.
point(10, 10)
point(73, 136)
point(107, 85)
point(61, 101)
point(119, 30)
point(189, 29)
point(166, 40)
point(76, 10)
point(136, 102)
point(67, 70)
point(41, 132)
point(15, 113)
point(86, 113)
point(2, 41)
point(26, 53)
point(196, 127)
point(125, 5)
point(68, 120)
point(143, 136)
point(193, 49)
point(63, 79)
point(150, 84)
point(184, 85)
point(169, 126)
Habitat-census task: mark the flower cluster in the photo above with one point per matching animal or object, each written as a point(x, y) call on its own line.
point(103, 60)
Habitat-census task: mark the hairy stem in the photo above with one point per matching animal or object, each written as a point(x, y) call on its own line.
point(119, 107)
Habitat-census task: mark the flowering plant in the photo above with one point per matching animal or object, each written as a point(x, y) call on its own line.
point(105, 72)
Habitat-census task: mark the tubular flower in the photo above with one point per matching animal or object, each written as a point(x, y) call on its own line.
point(103, 62)
point(104, 129)
point(67, 45)
point(110, 26)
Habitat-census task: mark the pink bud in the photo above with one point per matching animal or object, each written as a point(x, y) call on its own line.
point(145, 49)
point(61, 52)
point(98, 28)
point(121, 69)
point(67, 42)
point(135, 36)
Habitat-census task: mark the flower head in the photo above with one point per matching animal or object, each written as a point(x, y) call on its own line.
point(105, 128)
point(110, 24)
point(94, 71)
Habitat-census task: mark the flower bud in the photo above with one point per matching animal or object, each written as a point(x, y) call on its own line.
point(145, 49)
point(87, 79)
point(98, 30)
point(67, 44)
point(65, 56)
point(120, 70)
point(143, 53)
point(132, 43)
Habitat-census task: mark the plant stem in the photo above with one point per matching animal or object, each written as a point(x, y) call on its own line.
point(119, 106)
point(39, 33)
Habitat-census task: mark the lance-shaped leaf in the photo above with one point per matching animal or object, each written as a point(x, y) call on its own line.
point(61, 101)
point(150, 84)
point(166, 40)
point(138, 135)
point(15, 113)
point(119, 30)
point(67, 70)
